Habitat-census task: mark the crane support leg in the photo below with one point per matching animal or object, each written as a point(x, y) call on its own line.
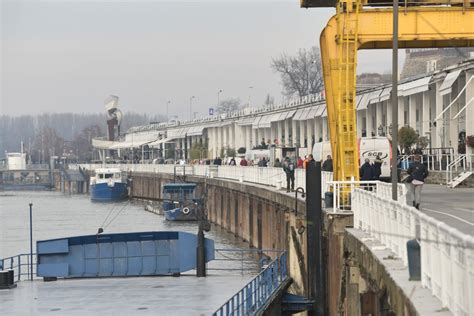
point(352, 29)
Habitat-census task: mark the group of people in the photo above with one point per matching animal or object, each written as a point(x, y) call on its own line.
point(371, 171)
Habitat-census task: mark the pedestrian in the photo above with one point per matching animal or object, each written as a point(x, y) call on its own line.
point(299, 163)
point(277, 163)
point(263, 162)
point(243, 162)
point(218, 161)
point(311, 161)
point(305, 162)
point(417, 175)
point(377, 167)
point(232, 162)
point(327, 164)
point(366, 173)
point(289, 169)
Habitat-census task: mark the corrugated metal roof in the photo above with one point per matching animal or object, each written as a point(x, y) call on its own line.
point(415, 86)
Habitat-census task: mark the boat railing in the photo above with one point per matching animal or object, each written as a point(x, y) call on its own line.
point(20, 264)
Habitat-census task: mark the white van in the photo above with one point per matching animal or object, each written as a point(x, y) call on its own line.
point(369, 147)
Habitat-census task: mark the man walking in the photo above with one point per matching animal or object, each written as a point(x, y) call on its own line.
point(418, 173)
point(289, 168)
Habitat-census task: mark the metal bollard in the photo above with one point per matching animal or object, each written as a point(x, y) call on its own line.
point(414, 260)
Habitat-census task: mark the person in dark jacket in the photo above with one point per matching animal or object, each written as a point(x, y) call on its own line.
point(289, 168)
point(232, 162)
point(218, 161)
point(377, 167)
point(327, 164)
point(366, 171)
point(418, 173)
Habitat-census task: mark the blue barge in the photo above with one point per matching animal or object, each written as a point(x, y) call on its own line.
point(108, 185)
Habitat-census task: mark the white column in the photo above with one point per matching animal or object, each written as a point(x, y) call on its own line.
point(401, 112)
point(425, 113)
point(389, 116)
point(309, 134)
point(325, 129)
point(248, 137)
point(412, 111)
point(287, 132)
point(279, 132)
point(302, 133)
point(378, 117)
point(273, 132)
point(293, 133)
point(368, 120)
point(438, 131)
point(254, 137)
point(469, 111)
point(360, 120)
point(318, 132)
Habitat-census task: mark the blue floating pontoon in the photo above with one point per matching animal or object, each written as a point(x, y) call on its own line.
point(118, 255)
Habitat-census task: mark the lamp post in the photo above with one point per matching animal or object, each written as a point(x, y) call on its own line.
point(167, 108)
point(191, 107)
point(31, 241)
point(250, 95)
point(395, 102)
point(218, 95)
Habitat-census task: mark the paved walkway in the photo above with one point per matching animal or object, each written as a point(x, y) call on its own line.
point(455, 206)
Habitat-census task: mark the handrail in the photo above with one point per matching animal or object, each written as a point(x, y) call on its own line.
point(454, 165)
point(446, 253)
point(17, 264)
point(255, 294)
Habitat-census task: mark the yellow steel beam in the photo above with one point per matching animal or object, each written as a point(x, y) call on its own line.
point(419, 27)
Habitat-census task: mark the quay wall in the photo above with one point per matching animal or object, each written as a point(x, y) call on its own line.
point(355, 280)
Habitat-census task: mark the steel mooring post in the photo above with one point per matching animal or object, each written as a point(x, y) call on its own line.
point(200, 255)
point(314, 218)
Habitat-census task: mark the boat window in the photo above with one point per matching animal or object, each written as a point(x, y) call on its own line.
point(109, 175)
point(101, 176)
point(118, 176)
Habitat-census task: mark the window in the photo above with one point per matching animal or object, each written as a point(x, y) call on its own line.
point(109, 175)
point(101, 176)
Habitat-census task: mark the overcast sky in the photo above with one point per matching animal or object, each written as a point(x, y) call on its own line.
point(69, 55)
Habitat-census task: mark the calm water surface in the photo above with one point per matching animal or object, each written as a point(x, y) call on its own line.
point(56, 215)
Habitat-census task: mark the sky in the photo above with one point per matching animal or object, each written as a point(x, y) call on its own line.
point(69, 55)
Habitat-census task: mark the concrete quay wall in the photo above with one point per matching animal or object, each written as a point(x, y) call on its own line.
point(265, 218)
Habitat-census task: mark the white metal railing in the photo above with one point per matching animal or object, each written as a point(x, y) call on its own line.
point(462, 162)
point(269, 176)
point(343, 190)
point(447, 255)
point(434, 162)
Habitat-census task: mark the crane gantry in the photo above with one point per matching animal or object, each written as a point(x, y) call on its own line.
point(367, 24)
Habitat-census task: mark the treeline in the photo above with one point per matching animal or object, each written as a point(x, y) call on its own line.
point(58, 133)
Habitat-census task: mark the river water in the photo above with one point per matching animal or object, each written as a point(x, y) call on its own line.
point(56, 215)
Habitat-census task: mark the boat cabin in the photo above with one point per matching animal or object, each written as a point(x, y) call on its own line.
point(107, 175)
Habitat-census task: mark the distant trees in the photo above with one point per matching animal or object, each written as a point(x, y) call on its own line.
point(300, 74)
point(228, 105)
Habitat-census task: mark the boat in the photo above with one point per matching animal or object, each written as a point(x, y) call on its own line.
point(108, 185)
point(180, 202)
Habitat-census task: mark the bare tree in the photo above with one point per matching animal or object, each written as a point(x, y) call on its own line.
point(228, 105)
point(300, 74)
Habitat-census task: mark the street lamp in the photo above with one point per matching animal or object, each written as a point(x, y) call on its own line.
point(191, 107)
point(167, 108)
point(218, 94)
point(250, 94)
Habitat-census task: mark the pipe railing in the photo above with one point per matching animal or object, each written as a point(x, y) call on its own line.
point(447, 255)
point(252, 298)
point(20, 264)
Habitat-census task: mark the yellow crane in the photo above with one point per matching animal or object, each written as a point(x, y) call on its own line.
point(367, 24)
